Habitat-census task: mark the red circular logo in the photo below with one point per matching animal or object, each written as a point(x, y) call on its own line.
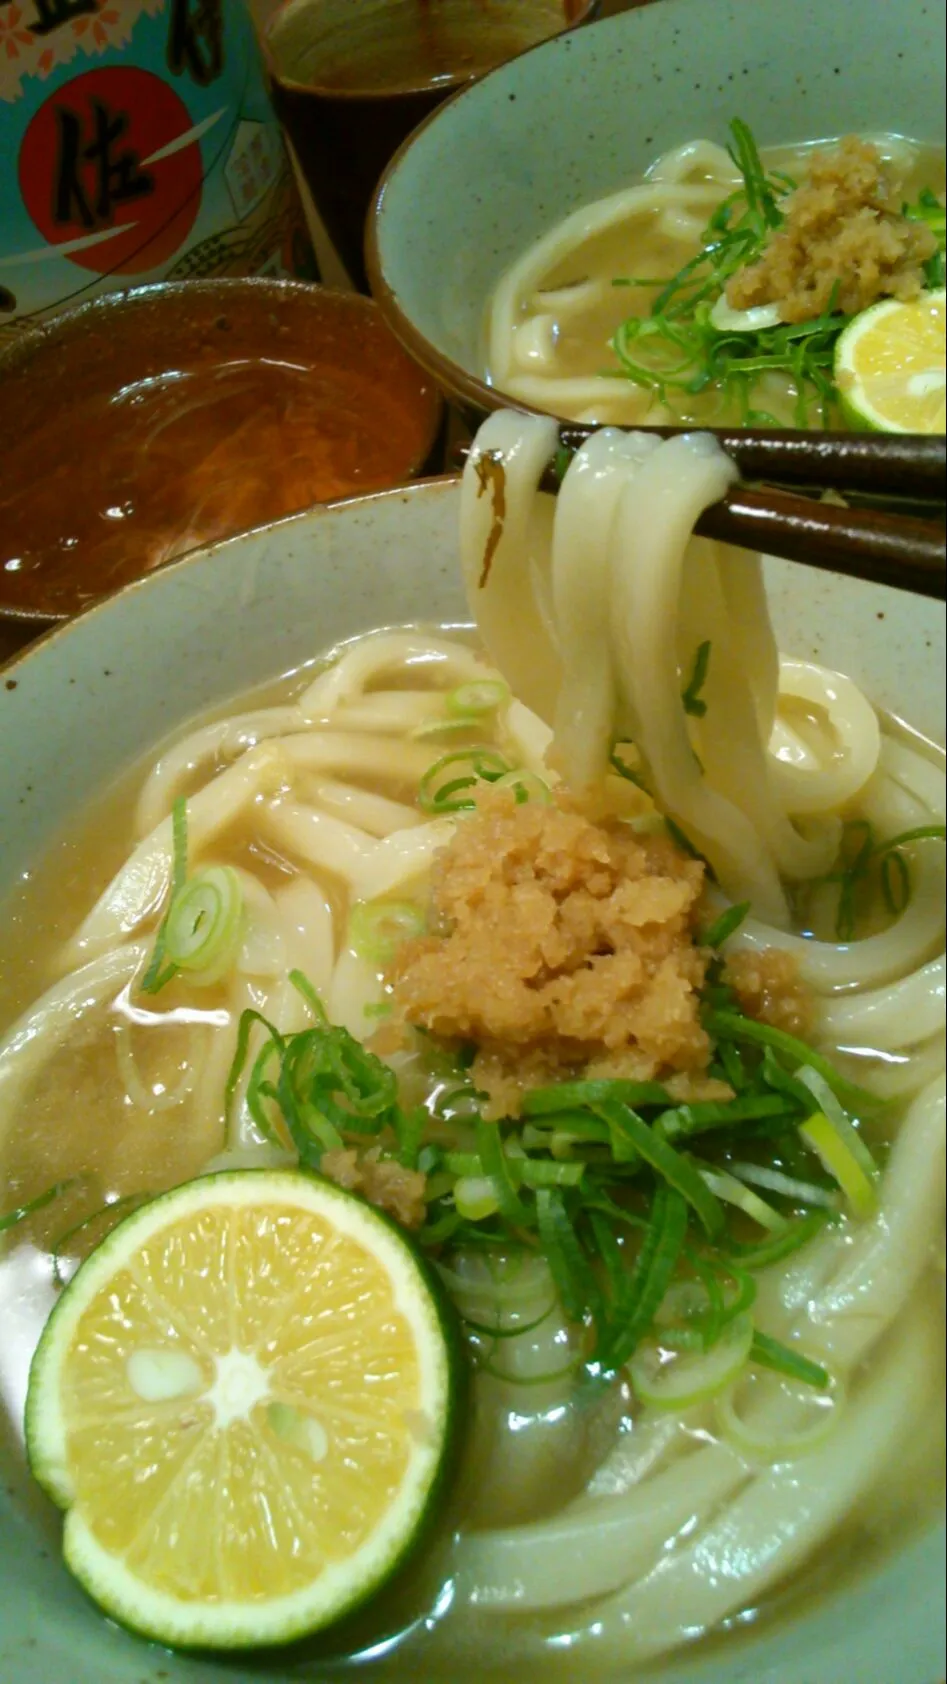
point(103, 170)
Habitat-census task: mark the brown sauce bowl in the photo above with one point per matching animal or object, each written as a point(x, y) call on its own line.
point(159, 420)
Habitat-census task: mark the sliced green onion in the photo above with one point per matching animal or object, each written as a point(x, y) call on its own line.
point(625, 771)
point(498, 1169)
point(22, 1212)
point(782, 1359)
point(763, 1253)
point(723, 1025)
point(305, 989)
point(685, 844)
point(539, 1172)
point(204, 922)
point(410, 1127)
point(833, 1147)
point(821, 1412)
point(127, 1202)
point(822, 1093)
point(572, 1096)
point(650, 1277)
point(475, 1197)
point(439, 792)
point(723, 927)
point(895, 882)
point(704, 1115)
point(158, 973)
point(578, 1289)
point(922, 833)
point(676, 1170)
point(691, 1313)
point(377, 928)
point(732, 1191)
point(463, 1163)
point(676, 1381)
point(445, 727)
point(480, 696)
point(691, 697)
point(804, 1192)
point(526, 786)
point(487, 1330)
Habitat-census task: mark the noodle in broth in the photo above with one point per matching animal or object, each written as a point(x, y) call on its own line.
point(592, 1531)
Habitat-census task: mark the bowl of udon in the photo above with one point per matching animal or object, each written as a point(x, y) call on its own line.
point(472, 1101)
point(685, 215)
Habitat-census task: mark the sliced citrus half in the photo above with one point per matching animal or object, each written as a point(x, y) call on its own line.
point(245, 1400)
point(890, 366)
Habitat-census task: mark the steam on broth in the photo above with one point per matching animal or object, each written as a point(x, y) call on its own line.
point(701, 874)
point(614, 316)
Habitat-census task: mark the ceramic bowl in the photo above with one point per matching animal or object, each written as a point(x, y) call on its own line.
point(581, 116)
point(91, 699)
point(115, 364)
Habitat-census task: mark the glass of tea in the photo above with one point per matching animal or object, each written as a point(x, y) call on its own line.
point(351, 80)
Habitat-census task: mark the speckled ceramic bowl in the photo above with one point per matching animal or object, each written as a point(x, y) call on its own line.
point(95, 696)
point(580, 117)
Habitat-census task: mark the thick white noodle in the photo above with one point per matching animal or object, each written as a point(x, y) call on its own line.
point(501, 588)
point(905, 1012)
point(826, 788)
point(587, 701)
point(776, 1522)
point(316, 839)
point(362, 664)
point(34, 1038)
point(523, 278)
point(355, 988)
point(139, 888)
point(225, 739)
point(830, 967)
point(376, 814)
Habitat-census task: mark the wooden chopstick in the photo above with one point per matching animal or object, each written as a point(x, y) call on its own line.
point(864, 543)
point(905, 465)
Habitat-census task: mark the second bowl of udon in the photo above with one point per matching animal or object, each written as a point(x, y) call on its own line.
point(523, 240)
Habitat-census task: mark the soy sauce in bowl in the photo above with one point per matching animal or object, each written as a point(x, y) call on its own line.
point(158, 420)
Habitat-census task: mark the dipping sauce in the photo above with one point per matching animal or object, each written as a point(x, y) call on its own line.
point(156, 421)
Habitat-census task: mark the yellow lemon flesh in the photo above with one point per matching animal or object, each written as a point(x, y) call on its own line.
point(890, 366)
point(245, 1400)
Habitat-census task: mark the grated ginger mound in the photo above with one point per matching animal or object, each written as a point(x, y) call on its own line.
point(382, 1181)
point(768, 987)
point(566, 945)
point(843, 228)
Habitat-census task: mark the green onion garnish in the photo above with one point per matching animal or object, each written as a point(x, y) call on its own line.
point(723, 927)
point(203, 925)
point(447, 785)
point(481, 696)
point(158, 973)
point(675, 1169)
point(770, 1353)
point(21, 1213)
point(377, 928)
point(691, 697)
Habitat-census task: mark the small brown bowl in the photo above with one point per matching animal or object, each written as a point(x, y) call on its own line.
point(152, 422)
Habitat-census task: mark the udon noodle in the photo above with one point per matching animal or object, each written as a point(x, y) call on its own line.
point(592, 1532)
